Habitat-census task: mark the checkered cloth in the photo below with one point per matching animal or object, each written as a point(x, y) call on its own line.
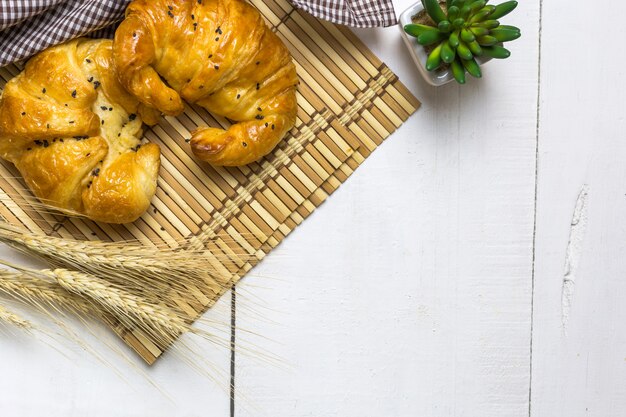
point(29, 26)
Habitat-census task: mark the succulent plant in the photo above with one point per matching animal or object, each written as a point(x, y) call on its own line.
point(466, 29)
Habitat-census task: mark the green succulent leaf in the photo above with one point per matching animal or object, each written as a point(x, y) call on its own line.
point(472, 67)
point(458, 71)
point(496, 51)
point(434, 59)
point(487, 40)
point(434, 10)
point(467, 36)
point(463, 51)
point(465, 11)
point(458, 23)
point(454, 39)
point(503, 9)
point(478, 31)
point(475, 48)
point(487, 24)
point(416, 29)
point(447, 52)
point(477, 5)
point(429, 38)
point(445, 26)
point(453, 13)
point(483, 14)
point(505, 35)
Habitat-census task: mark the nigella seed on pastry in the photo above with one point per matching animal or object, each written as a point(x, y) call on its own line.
point(170, 7)
point(28, 149)
point(259, 117)
point(48, 126)
point(38, 142)
point(188, 140)
point(132, 116)
point(266, 124)
point(134, 34)
point(259, 109)
point(170, 14)
point(238, 96)
point(71, 122)
point(88, 153)
point(244, 144)
point(195, 26)
point(74, 94)
point(95, 172)
point(45, 143)
point(272, 127)
point(216, 67)
point(258, 86)
point(201, 86)
point(192, 17)
point(87, 60)
point(217, 39)
point(96, 84)
point(110, 108)
point(90, 79)
point(103, 108)
point(258, 62)
point(210, 56)
point(23, 113)
point(43, 90)
point(100, 123)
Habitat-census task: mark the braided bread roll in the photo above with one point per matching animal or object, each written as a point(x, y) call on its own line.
point(219, 54)
point(74, 134)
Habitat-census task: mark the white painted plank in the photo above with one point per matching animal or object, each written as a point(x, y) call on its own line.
point(579, 338)
point(408, 293)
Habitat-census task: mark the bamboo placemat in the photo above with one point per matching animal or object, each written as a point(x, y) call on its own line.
point(349, 102)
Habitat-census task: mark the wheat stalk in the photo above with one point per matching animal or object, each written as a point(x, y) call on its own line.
point(13, 319)
point(154, 273)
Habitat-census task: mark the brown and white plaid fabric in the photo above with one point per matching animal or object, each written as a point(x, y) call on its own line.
point(29, 26)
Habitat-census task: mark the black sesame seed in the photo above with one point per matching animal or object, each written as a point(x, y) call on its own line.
point(170, 14)
point(266, 124)
point(192, 17)
point(188, 140)
point(74, 94)
point(170, 7)
point(48, 126)
point(65, 104)
point(258, 86)
point(88, 61)
point(201, 87)
point(102, 122)
point(244, 144)
point(90, 79)
point(110, 108)
point(71, 122)
point(272, 127)
point(43, 90)
point(217, 39)
point(45, 143)
point(88, 153)
point(96, 84)
point(259, 117)
point(259, 109)
point(61, 140)
point(23, 113)
point(238, 95)
point(134, 34)
point(162, 228)
point(103, 108)
point(95, 172)
point(38, 142)
point(119, 134)
point(195, 26)
point(199, 1)
point(77, 138)
point(155, 210)
point(211, 56)
point(132, 116)
point(28, 149)
point(258, 62)
point(216, 67)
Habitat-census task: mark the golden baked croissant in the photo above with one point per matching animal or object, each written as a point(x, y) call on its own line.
point(74, 133)
point(219, 54)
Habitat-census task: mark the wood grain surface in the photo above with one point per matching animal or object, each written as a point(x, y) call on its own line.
point(432, 282)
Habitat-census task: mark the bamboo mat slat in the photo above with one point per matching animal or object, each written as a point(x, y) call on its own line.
point(349, 102)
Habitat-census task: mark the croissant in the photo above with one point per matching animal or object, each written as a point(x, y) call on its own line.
point(74, 133)
point(219, 54)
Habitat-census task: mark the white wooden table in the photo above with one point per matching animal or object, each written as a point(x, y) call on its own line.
point(477, 264)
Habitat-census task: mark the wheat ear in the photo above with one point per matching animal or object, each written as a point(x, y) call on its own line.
point(13, 319)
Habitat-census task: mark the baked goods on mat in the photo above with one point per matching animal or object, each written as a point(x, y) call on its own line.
point(219, 54)
point(74, 134)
